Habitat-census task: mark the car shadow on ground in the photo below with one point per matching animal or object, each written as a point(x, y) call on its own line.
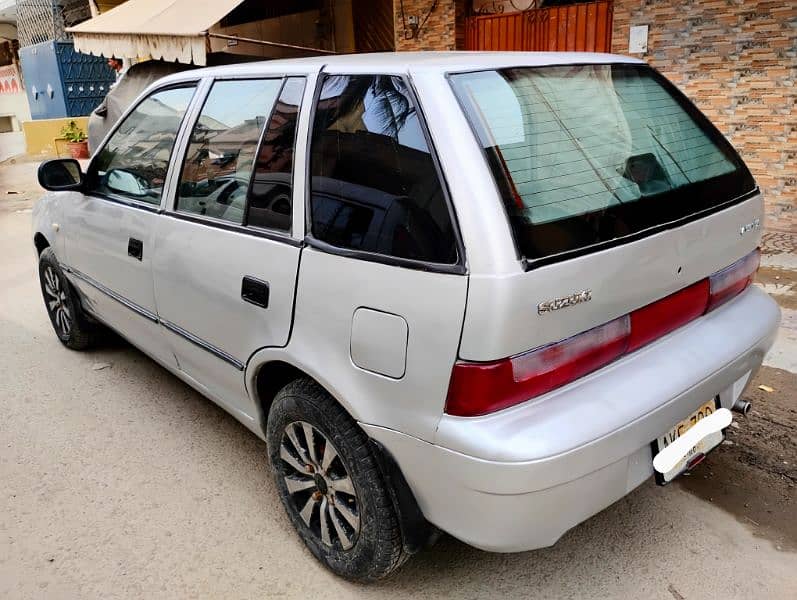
point(650, 526)
point(645, 519)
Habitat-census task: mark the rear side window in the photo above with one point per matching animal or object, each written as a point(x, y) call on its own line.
point(587, 154)
point(134, 162)
point(221, 153)
point(271, 192)
point(374, 185)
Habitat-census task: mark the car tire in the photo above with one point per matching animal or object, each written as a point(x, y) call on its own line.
point(62, 304)
point(359, 537)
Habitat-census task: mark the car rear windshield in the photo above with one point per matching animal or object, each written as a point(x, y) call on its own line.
point(588, 155)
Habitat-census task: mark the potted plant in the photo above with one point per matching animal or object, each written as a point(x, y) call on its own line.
point(75, 140)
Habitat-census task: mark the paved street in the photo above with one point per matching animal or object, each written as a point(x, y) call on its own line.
point(122, 482)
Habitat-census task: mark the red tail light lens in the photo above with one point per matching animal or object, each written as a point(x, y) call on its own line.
point(729, 282)
point(481, 388)
point(668, 314)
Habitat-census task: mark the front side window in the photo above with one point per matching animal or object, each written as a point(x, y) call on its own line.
point(587, 154)
point(221, 152)
point(374, 185)
point(134, 162)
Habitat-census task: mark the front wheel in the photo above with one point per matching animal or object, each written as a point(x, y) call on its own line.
point(330, 484)
point(62, 304)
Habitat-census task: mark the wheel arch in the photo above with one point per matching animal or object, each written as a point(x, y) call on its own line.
point(271, 369)
point(41, 242)
point(46, 222)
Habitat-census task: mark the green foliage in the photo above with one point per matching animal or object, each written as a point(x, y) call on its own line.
point(72, 133)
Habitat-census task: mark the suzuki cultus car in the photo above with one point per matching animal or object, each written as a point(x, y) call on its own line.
point(484, 294)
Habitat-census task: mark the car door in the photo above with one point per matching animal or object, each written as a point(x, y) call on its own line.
point(110, 228)
point(225, 266)
point(382, 286)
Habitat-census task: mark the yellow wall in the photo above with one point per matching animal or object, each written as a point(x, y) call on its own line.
point(41, 135)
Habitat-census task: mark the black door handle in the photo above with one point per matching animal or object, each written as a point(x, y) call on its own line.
point(135, 248)
point(255, 291)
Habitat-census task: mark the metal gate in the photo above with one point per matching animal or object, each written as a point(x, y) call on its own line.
point(47, 20)
point(582, 27)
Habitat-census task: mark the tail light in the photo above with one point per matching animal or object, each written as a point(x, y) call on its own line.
point(729, 282)
point(655, 320)
point(479, 388)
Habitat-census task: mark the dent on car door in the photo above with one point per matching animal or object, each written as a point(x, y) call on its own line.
point(110, 227)
point(225, 269)
point(381, 292)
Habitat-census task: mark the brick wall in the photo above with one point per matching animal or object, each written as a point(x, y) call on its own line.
point(737, 60)
point(444, 29)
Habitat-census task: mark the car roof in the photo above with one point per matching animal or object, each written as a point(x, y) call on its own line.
point(390, 63)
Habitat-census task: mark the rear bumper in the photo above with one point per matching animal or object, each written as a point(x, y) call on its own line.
point(520, 478)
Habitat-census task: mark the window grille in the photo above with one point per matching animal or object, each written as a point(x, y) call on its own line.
point(47, 20)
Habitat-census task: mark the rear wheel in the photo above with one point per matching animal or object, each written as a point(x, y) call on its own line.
point(63, 306)
point(330, 484)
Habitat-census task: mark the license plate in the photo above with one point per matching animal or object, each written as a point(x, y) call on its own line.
point(697, 452)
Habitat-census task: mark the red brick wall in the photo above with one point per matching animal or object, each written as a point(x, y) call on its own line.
point(444, 29)
point(737, 60)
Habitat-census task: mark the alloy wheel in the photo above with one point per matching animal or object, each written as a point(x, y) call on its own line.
point(57, 302)
point(319, 485)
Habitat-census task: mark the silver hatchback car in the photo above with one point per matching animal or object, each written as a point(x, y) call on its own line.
point(488, 294)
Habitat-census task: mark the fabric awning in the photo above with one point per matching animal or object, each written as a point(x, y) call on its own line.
point(161, 29)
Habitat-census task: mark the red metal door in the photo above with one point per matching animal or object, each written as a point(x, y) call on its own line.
point(496, 32)
point(582, 27)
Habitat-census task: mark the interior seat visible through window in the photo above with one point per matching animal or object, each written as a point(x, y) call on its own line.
point(374, 183)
